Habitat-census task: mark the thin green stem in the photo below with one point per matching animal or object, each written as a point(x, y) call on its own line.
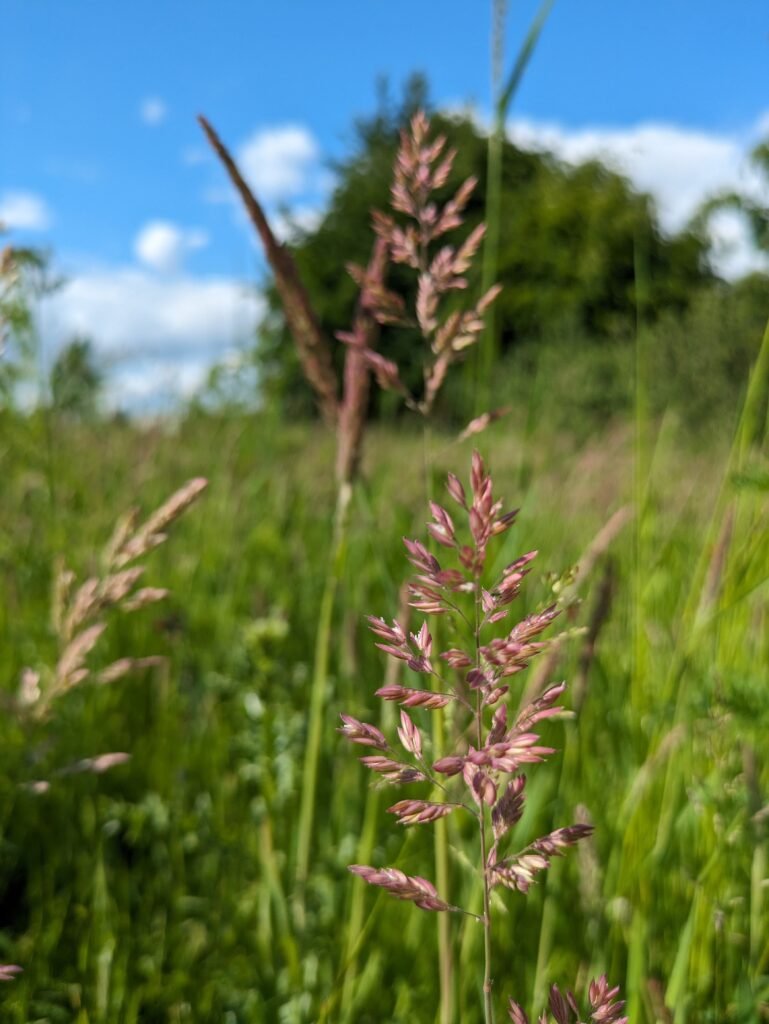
point(445, 957)
point(488, 1007)
point(467, 913)
point(355, 918)
point(458, 610)
point(640, 465)
point(318, 700)
point(503, 94)
point(439, 785)
point(450, 692)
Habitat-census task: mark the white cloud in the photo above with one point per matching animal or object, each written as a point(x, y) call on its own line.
point(129, 311)
point(158, 336)
point(163, 246)
point(153, 111)
point(734, 252)
point(24, 211)
point(279, 162)
point(287, 225)
point(679, 166)
point(154, 384)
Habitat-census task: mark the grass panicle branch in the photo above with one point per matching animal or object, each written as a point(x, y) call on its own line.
point(486, 774)
point(423, 166)
point(604, 1007)
point(78, 609)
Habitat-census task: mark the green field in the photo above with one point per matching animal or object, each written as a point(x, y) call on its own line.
point(163, 890)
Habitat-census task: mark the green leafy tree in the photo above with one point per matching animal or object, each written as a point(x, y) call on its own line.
point(701, 361)
point(76, 380)
point(23, 277)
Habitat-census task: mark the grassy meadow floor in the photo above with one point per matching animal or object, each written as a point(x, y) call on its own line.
point(162, 890)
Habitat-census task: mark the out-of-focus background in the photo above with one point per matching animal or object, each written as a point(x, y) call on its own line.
point(144, 344)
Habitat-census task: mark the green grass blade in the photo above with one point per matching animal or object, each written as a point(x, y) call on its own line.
point(488, 349)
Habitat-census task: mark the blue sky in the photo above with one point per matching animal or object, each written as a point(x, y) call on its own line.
point(102, 161)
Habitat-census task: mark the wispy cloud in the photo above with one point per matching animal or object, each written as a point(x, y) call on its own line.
point(24, 211)
point(280, 163)
point(162, 245)
point(148, 385)
point(153, 110)
point(133, 314)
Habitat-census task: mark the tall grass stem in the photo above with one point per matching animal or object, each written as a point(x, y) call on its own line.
point(318, 693)
point(503, 95)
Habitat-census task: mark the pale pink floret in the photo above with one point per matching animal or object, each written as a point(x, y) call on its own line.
point(361, 732)
point(405, 887)
point(419, 812)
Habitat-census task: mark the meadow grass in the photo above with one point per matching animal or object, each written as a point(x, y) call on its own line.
point(162, 891)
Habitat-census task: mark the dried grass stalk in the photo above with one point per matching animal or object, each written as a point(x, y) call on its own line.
point(312, 345)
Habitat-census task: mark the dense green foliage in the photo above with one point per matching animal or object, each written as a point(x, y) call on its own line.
point(76, 381)
point(695, 366)
point(23, 276)
point(162, 891)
